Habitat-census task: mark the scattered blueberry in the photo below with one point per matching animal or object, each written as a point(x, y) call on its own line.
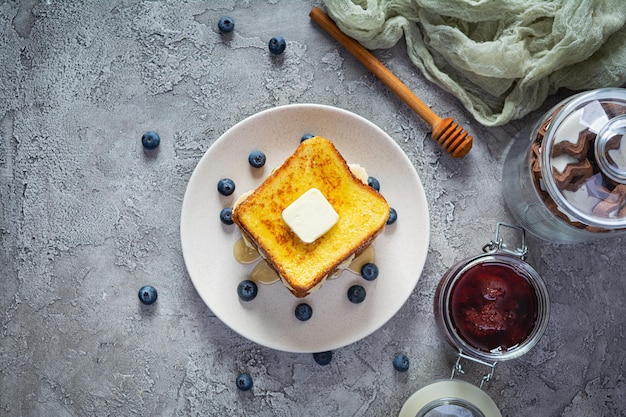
point(401, 362)
point(226, 215)
point(244, 382)
point(369, 271)
point(150, 140)
point(226, 186)
point(303, 312)
point(247, 290)
point(277, 45)
point(356, 294)
point(147, 294)
point(306, 136)
point(373, 182)
point(226, 24)
point(323, 358)
point(393, 216)
point(256, 159)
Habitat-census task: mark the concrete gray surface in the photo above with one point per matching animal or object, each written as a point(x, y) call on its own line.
point(87, 218)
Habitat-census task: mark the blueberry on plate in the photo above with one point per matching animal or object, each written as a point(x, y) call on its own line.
point(306, 136)
point(277, 45)
point(226, 24)
point(247, 290)
point(147, 294)
point(401, 362)
point(356, 294)
point(256, 159)
point(226, 215)
point(393, 216)
point(226, 186)
point(150, 140)
point(323, 358)
point(369, 271)
point(244, 381)
point(303, 312)
point(374, 183)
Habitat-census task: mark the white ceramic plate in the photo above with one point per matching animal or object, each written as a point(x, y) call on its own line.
point(269, 319)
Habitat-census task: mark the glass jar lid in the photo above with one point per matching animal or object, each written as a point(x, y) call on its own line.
point(583, 159)
point(450, 398)
point(610, 149)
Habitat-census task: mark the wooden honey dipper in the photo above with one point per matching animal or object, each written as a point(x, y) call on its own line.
point(446, 132)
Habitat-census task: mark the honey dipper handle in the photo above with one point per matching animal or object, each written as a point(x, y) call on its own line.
point(376, 67)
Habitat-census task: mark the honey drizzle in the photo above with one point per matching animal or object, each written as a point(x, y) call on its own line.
point(262, 273)
point(365, 257)
point(243, 253)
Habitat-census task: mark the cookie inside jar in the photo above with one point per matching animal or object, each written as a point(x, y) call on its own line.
point(578, 163)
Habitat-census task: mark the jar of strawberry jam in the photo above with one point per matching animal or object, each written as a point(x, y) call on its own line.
point(494, 306)
point(491, 307)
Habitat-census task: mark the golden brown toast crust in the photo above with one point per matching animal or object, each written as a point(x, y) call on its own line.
point(362, 211)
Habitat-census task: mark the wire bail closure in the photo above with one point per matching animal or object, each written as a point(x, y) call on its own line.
point(458, 368)
point(498, 245)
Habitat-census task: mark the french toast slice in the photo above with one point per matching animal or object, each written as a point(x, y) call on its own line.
point(362, 214)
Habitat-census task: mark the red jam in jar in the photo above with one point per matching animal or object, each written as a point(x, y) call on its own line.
point(493, 306)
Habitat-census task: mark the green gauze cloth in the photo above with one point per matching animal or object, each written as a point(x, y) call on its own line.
point(501, 58)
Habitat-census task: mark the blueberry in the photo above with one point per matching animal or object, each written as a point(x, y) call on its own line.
point(256, 159)
point(277, 45)
point(373, 182)
point(393, 216)
point(306, 136)
point(323, 358)
point(303, 311)
point(226, 24)
point(226, 186)
point(401, 362)
point(150, 140)
point(247, 290)
point(226, 215)
point(147, 294)
point(356, 294)
point(244, 382)
point(369, 271)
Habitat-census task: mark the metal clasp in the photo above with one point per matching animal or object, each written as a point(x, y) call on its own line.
point(498, 245)
point(458, 368)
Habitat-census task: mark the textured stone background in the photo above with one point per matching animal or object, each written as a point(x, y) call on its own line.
point(87, 218)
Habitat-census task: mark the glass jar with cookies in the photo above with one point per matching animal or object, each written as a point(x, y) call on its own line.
point(564, 178)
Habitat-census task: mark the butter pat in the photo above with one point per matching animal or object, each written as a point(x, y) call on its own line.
point(310, 216)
